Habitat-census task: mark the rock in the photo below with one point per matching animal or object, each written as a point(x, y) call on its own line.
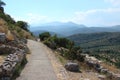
point(71, 66)
point(104, 71)
point(102, 77)
point(9, 36)
point(2, 38)
point(110, 75)
point(62, 50)
point(24, 40)
point(116, 77)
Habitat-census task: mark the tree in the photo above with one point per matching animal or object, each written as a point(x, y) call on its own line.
point(62, 42)
point(2, 4)
point(44, 36)
point(23, 25)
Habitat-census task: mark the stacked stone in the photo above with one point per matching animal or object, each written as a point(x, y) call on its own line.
point(8, 67)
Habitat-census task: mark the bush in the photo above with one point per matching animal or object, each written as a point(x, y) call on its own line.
point(55, 42)
point(62, 42)
point(19, 68)
point(44, 36)
point(117, 64)
point(7, 18)
point(23, 25)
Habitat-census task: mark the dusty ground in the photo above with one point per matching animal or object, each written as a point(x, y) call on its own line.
point(62, 74)
point(2, 59)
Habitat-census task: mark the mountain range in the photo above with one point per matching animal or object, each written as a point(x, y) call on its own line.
point(70, 28)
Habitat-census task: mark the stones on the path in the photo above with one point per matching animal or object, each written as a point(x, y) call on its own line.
point(72, 66)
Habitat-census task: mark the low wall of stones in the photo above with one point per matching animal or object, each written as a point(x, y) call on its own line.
point(95, 63)
point(12, 62)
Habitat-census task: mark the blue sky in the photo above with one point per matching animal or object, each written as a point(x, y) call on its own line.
point(87, 12)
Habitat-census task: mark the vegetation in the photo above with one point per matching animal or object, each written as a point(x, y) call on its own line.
point(104, 46)
point(70, 51)
point(1, 6)
point(19, 68)
point(2, 3)
point(23, 25)
point(19, 29)
point(44, 36)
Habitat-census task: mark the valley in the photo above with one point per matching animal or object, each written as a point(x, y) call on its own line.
point(104, 46)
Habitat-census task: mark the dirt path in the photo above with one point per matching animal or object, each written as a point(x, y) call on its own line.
point(45, 65)
point(39, 66)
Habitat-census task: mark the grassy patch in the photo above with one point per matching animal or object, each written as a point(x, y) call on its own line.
point(61, 58)
point(19, 68)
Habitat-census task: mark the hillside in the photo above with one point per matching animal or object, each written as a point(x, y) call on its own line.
point(9, 26)
point(97, 40)
point(104, 45)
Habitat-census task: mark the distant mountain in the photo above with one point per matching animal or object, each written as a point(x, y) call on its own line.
point(64, 29)
point(36, 33)
point(70, 28)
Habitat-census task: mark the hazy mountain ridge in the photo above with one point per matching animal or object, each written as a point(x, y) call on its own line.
point(70, 28)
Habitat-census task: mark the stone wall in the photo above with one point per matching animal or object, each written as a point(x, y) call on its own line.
point(11, 62)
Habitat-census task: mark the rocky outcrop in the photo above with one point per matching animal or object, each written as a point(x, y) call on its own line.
point(96, 64)
point(12, 62)
point(62, 50)
point(72, 66)
point(2, 38)
point(16, 51)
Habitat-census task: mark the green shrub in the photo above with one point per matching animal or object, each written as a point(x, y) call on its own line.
point(19, 68)
point(44, 36)
point(23, 25)
point(7, 18)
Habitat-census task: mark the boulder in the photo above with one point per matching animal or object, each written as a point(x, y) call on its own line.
point(62, 50)
point(116, 77)
point(104, 71)
point(102, 77)
point(71, 66)
point(2, 38)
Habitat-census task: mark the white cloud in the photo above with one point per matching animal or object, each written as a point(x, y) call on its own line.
point(94, 17)
point(98, 17)
point(114, 2)
point(33, 18)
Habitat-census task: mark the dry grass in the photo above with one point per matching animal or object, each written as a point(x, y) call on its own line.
point(2, 59)
point(3, 26)
point(110, 67)
point(9, 36)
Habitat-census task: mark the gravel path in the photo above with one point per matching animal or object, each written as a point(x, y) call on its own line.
point(39, 66)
